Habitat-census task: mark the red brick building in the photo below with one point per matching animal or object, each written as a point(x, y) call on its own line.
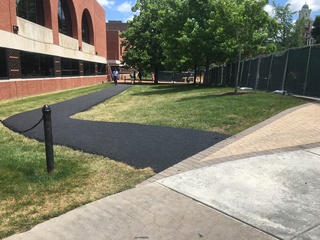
point(114, 49)
point(48, 45)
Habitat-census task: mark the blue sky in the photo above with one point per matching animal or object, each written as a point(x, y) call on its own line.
point(121, 9)
point(296, 5)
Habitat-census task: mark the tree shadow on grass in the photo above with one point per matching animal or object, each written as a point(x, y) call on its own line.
point(171, 88)
point(208, 96)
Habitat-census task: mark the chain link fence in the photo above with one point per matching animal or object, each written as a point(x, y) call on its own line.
point(295, 71)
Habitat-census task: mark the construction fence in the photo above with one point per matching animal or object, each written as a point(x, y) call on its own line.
point(171, 76)
point(295, 71)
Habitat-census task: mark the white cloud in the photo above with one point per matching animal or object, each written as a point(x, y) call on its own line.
point(129, 18)
point(106, 3)
point(269, 9)
point(296, 5)
point(124, 7)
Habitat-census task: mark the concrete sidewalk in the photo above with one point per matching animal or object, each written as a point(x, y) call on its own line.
point(260, 184)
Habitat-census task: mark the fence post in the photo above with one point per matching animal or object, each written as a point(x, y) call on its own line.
point(241, 74)
point(249, 73)
point(222, 73)
point(270, 72)
point(285, 73)
point(307, 72)
point(258, 74)
point(46, 111)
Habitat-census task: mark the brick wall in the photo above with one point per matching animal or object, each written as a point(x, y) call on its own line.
point(54, 20)
point(117, 25)
point(8, 18)
point(8, 15)
point(10, 89)
point(98, 18)
point(100, 30)
point(16, 88)
point(113, 44)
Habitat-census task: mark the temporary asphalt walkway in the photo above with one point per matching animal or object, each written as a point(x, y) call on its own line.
point(135, 144)
point(262, 183)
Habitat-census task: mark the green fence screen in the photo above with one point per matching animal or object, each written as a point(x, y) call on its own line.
point(295, 71)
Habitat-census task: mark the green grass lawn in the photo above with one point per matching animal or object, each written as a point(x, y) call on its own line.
point(28, 195)
point(190, 106)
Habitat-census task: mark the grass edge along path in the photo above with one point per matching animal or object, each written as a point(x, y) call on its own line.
point(188, 106)
point(28, 195)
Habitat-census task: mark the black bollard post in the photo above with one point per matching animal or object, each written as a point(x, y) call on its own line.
point(46, 111)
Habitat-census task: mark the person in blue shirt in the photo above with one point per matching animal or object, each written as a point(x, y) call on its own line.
point(115, 75)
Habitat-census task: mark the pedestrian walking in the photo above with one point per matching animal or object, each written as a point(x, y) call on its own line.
point(115, 75)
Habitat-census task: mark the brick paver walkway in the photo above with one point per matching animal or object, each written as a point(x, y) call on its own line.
point(292, 129)
point(297, 128)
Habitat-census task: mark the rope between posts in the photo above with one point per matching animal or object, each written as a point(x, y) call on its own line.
point(29, 129)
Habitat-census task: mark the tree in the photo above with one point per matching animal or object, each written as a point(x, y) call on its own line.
point(189, 40)
point(180, 34)
point(283, 17)
point(297, 38)
point(287, 34)
point(242, 27)
point(143, 40)
point(315, 32)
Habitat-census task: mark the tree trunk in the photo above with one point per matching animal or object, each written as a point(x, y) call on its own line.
point(195, 74)
point(156, 75)
point(206, 75)
point(238, 69)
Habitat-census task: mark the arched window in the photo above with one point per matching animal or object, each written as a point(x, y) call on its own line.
point(86, 28)
point(64, 18)
point(32, 10)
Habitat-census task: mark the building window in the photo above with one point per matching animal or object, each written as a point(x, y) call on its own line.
point(102, 69)
point(85, 29)
point(64, 18)
point(69, 67)
point(89, 68)
point(36, 65)
point(31, 10)
point(3, 64)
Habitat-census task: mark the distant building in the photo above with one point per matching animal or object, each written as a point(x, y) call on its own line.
point(49, 45)
point(117, 25)
point(305, 13)
point(114, 48)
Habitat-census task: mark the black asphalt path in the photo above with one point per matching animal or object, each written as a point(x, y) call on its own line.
point(135, 144)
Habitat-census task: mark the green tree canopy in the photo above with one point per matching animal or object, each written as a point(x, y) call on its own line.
point(283, 17)
point(242, 27)
point(189, 40)
point(144, 39)
point(315, 32)
point(285, 32)
point(181, 34)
